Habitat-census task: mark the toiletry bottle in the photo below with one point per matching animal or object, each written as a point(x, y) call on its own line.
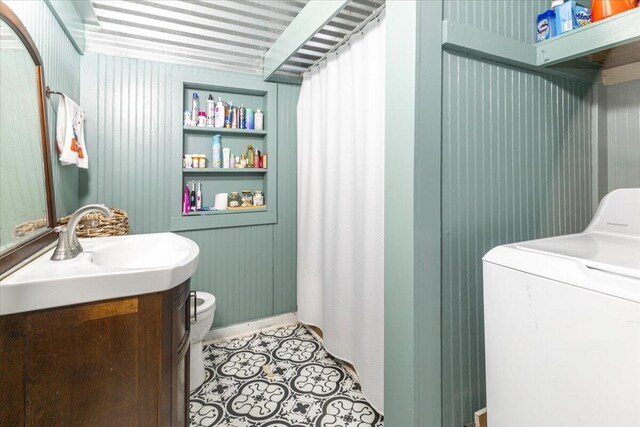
point(234, 118)
point(228, 115)
point(199, 196)
point(192, 201)
point(232, 162)
point(242, 117)
point(195, 107)
point(256, 158)
point(249, 156)
point(226, 152)
point(249, 118)
point(216, 160)
point(211, 111)
point(264, 161)
point(219, 114)
point(186, 200)
point(259, 120)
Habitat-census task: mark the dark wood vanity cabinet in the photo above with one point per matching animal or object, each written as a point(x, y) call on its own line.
point(118, 362)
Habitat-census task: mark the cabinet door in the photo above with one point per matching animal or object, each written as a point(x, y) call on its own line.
point(82, 365)
point(180, 359)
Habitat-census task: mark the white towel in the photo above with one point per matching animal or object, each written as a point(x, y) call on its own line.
point(70, 134)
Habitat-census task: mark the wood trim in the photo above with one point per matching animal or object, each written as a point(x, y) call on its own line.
point(621, 74)
point(19, 253)
point(75, 314)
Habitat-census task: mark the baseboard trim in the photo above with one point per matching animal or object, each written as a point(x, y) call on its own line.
point(240, 329)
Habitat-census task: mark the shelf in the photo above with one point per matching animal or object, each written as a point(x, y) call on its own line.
point(222, 131)
point(226, 212)
point(611, 42)
point(577, 54)
point(241, 90)
point(223, 171)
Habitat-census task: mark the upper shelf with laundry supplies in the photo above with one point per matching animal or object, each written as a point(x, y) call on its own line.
point(581, 52)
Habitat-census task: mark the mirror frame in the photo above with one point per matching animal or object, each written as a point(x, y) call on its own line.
point(17, 254)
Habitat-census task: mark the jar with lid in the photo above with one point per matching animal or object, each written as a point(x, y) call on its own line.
point(258, 199)
point(234, 199)
point(247, 199)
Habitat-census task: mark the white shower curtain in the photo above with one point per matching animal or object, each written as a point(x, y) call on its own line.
point(341, 114)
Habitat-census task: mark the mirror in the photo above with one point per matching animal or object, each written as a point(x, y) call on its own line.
point(26, 197)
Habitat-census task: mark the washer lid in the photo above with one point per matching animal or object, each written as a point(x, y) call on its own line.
point(601, 251)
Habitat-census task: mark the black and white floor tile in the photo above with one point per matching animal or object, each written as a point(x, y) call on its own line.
point(280, 377)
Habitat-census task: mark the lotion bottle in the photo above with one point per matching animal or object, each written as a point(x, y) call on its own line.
point(219, 114)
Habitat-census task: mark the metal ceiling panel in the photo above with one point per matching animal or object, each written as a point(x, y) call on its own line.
point(230, 35)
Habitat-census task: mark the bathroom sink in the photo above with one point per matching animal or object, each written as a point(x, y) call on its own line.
point(109, 267)
point(142, 251)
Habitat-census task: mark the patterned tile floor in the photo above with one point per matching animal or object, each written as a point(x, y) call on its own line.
point(279, 377)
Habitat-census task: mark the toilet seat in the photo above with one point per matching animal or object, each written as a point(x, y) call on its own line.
point(204, 303)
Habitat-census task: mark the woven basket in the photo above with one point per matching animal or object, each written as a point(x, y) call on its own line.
point(97, 225)
point(29, 227)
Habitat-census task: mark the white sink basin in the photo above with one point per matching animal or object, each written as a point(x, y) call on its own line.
point(109, 267)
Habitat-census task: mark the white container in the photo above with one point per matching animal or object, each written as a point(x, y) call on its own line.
point(259, 120)
point(226, 153)
point(221, 200)
point(187, 161)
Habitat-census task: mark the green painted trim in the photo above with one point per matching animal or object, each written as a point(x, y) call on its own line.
point(603, 35)
point(483, 44)
point(70, 21)
point(196, 171)
point(428, 216)
point(304, 26)
point(399, 311)
point(461, 38)
point(286, 79)
point(223, 131)
point(215, 81)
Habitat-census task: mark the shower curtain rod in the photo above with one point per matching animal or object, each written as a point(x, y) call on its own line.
point(376, 13)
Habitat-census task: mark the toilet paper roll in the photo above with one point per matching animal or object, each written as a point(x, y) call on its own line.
point(221, 201)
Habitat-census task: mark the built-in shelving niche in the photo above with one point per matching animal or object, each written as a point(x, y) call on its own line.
point(198, 140)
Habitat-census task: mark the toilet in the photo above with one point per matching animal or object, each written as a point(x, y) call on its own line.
point(205, 309)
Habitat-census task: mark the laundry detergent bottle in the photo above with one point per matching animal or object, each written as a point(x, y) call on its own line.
point(601, 9)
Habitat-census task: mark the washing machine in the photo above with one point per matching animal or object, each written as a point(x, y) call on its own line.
point(562, 324)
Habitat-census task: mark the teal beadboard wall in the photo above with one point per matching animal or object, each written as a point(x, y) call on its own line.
point(623, 135)
point(250, 270)
point(61, 63)
point(516, 165)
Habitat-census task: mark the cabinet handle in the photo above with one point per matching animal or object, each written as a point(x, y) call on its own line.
point(193, 297)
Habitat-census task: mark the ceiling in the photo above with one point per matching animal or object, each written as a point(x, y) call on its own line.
point(222, 34)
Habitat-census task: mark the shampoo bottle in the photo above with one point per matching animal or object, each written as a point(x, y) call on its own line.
point(219, 113)
point(211, 108)
point(216, 160)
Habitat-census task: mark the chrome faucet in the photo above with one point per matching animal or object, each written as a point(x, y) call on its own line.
point(68, 244)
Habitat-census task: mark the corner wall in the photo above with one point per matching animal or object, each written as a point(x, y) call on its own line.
point(516, 165)
point(61, 63)
point(251, 270)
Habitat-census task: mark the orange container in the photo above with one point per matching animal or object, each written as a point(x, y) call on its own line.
point(601, 9)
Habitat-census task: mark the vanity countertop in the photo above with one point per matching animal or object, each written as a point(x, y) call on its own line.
point(109, 267)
